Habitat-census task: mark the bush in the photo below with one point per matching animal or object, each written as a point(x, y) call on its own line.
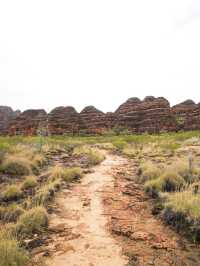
point(71, 174)
point(11, 254)
point(12, 192)
point(32, 221)
point(14, 165)
point(30, 182)
point(10, 213)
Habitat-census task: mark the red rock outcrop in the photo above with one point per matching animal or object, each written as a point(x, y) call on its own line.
point(64, 120)
point(93, 120)
point(187, 115)
point(150, 115)
point(6, 115)
point(28, 123)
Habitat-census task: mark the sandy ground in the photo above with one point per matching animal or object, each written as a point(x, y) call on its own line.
point(82, 210)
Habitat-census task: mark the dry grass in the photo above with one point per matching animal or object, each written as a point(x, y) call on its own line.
point(12, 192)
point(149, 171)
point(10, 213)
point(32, 221)
point(15, 165)
point(94, 156)
point(185, 202)
point(10, 252)
point(71, 174)
point(29, 182)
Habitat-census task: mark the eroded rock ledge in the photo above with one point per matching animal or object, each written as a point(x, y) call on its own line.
point(152, 115)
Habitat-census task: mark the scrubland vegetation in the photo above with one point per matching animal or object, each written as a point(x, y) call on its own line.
point(169, 171)
point(33, 170)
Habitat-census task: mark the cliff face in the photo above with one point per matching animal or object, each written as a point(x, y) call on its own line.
point(150, 115)
point(28, 123)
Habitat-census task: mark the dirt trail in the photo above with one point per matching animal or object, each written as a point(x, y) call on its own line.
point(108, 215)
point(81, 211)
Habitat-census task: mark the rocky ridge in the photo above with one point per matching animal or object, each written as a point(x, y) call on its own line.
point(152, 115)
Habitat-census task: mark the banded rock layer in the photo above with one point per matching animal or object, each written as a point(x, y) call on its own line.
point(151, 115)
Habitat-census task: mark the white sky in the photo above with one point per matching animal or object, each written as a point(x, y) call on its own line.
point(81, 52)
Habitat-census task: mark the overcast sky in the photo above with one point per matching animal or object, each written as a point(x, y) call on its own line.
point(82, 52)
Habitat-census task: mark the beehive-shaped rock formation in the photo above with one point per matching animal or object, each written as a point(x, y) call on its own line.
point(64, 120)
point(28, 123)
point(93, 120)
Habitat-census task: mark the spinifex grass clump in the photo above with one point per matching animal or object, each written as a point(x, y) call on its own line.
point(14, 165)
point(71, 174)
point(182, 210)
point(12, 192)
point(10, 213)
point(168, 182)
point(149, 171)
point(32, 221)
point(29, 182)
point(11, 254)
point(94, 156)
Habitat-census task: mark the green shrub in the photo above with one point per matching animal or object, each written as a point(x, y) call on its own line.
point(33, 221)
point(12, 192)
point(10, 213)
point(29, 182)
point(71, 174)
point(14, 165)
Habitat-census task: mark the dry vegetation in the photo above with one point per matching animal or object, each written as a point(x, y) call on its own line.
point(32, 172)
point(169, 170)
